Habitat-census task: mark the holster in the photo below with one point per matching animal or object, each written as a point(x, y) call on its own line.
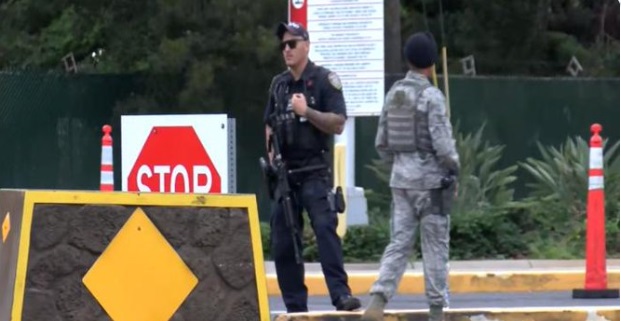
point(269, 177)
point(339, 200)
point(442, 198)
point(336, 200)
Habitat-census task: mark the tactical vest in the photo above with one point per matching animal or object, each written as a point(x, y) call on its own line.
point(306, 141)
point(403, 119)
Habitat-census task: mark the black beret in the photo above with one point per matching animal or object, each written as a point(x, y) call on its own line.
point(421, 50)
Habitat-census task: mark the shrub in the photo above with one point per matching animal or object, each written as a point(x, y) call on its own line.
point(265, 240)
point(486, 221)
point(309, 250)
point(482, 206)
point(366, 243)
point(558, 193)
point(381, 197)
point(481, 184)
point(490, 234)
point(360, 244)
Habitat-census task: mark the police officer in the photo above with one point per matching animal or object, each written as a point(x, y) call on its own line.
point(313, 96)
point(415, 136)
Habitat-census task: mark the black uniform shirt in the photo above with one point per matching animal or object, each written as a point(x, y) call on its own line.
point(323, 92)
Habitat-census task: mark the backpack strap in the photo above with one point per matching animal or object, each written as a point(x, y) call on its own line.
point(418, 119)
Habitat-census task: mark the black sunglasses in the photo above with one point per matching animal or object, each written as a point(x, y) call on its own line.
point(291, 43)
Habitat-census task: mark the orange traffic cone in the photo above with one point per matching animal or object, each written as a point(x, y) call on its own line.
point(596, 281)
point(107, 173)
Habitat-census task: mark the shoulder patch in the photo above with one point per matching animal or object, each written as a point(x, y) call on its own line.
point(334, 80)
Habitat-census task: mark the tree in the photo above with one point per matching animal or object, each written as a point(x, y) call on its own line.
point(530, 37)
point(195, 45)
point(190, 49)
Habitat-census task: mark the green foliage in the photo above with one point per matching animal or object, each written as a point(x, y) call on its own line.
point(483, 222)
point(360, 244)
point(484, 205)
point(189, 50)
point(551, 234)
point(558, 193)
point(481, 184)
point(533, 37)
point(483, 29)
point(529, 37)
point(367, 243)
point(379, 198)
point(265, 240)
point(488, 223)
point(491, 234)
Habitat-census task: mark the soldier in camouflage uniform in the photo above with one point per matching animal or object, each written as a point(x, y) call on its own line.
point(415, 136)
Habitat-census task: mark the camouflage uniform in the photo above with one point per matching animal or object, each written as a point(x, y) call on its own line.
point(415, 182)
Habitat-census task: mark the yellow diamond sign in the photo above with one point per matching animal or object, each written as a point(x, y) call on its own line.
point(6, 226)
point(140, 277)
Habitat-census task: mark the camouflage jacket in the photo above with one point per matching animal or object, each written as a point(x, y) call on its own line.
point(421, 169)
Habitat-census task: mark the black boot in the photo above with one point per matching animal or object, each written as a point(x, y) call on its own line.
point(436, 313)
point(375, 309)
point(348, 303)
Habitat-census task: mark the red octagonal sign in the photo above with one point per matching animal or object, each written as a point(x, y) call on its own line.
point(173, 159)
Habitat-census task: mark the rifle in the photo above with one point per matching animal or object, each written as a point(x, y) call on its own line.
point(276, 174)
point(278, 186)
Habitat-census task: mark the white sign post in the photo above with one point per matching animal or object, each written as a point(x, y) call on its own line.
point(347, 36)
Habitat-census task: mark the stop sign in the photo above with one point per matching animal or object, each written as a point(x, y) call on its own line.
point(173, 159)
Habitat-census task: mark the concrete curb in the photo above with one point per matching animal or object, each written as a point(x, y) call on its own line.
point(461, 282)
point(468, 265)
point(610, 313)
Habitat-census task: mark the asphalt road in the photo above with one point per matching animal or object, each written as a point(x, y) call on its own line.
point(479, 300)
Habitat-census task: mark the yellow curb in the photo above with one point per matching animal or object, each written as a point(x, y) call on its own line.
point(610, 313)
point(461, 282)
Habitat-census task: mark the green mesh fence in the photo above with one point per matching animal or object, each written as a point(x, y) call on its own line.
point(50, 126)
point(50, 123)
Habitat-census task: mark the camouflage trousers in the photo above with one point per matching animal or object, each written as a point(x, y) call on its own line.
point(412, 209)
